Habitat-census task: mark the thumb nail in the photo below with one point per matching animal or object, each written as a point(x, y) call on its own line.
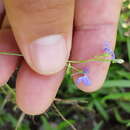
point(48, 54)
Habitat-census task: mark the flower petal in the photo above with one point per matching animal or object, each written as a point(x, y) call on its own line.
point(108, 50)
point(79, 80)
point(86, 81)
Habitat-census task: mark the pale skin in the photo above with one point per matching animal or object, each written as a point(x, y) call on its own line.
point(42, 21)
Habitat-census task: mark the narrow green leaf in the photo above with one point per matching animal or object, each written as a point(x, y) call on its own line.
point(117, 96)
point(117, 83)
point(98, 126)
point(125, 106)
point(46, 125)
point(128, 48)
point(119, 118)
point(63, 125)
point(124, 74)
point(101, 110)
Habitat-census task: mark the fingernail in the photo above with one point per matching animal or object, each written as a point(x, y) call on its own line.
point(48, 54)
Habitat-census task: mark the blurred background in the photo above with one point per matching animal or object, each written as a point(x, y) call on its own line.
point(106, 109)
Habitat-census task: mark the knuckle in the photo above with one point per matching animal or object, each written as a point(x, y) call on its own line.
point(97, 26)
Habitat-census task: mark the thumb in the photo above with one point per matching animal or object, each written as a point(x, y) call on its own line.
point(43, 31)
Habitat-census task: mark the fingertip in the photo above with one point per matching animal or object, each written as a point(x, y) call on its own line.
point(34, 92)
point(96, 75)
point(91, 88)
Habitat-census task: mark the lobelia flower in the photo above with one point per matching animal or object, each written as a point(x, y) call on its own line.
point(84, 79)
point(108, 50)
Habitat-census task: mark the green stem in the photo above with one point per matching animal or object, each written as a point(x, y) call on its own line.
point(86, 61)
point(10, 89)
point(9, 53)
point(20, 121)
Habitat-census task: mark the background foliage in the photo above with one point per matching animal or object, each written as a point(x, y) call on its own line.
point(108, 108)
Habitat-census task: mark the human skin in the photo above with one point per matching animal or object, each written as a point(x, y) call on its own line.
point(44, 32)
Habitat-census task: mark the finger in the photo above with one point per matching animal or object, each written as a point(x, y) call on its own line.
point(43, 30)
point(34, 92)
point(7, 63)
point(95, 23)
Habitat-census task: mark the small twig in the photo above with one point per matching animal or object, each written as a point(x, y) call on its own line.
point(70, 101)
point(63, 118)
point(20, 121)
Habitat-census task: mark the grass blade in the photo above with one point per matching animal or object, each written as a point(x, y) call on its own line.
point(117, 83)
point(128, 48)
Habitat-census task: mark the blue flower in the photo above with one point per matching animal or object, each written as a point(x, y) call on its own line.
point(108, 50)
point(84, 79)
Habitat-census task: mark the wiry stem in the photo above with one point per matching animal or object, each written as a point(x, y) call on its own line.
point(20, 121)
point(90, 60)
point(9, 53)
point(72, 126)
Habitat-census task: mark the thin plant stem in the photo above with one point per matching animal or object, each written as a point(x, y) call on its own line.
point(90, 60)
point(63, 118)
point(10, 89)
point(69, 101)
point(20, 121)
point(95, 58)
point(9, 53)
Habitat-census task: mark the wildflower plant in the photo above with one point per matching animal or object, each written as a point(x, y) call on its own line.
point(107, 56)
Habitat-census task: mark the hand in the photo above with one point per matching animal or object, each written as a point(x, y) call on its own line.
point(43, 32)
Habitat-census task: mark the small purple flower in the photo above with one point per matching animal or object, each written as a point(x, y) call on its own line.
point(108, 50)
point(84, 79)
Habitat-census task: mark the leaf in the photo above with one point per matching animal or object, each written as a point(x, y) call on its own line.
point(46, 125)
point(117, 83)
point(128, 48)
point(117, 96)
point(119, 118)
point(124, 74)
point(98, 125)
point(101, 110)
point(11, 119)
point(125, 106)
point(63, 125)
